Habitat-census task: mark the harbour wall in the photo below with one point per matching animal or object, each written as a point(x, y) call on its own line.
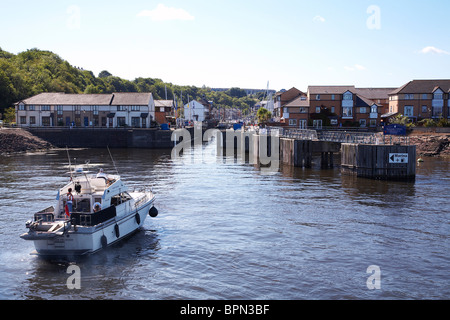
point(101, 138)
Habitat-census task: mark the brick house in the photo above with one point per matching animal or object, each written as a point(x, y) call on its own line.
point(420, 99)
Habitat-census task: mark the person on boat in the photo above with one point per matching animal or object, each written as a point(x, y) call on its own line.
point(101, 174)
point(69, 202)
point(97, 207)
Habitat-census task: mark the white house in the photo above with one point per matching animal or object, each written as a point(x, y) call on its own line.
point(86, 110)
point(195, 111)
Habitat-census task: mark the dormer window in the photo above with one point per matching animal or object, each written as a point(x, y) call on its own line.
point(348, 96)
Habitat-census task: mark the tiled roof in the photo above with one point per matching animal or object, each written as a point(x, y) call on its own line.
point(375, 93)
point(115, 99)
point(423, 86)
point(330, 89)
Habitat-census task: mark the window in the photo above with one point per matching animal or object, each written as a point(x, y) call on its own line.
point(373, 123)
point(317, 96)
point(59, 110)
point(303, 98)
point(409, 96)
point(135, 108)
point(424, 109)
point(332, 97)
point(121, 108)
point(362, 123)
point(22, 107)
point(333, 110)
point(302, 124)
point(77, 109)
point(348, 96)
point(347, 112)
point(374, 109)
point(317, 124)
point(362, 110)
point(317, 109)
point(285, 110)
point(292, 122)
point(45, 108)
point(438, 96)
point(46, 121)
point(32, 108)
point(409, 111)
point(32, 120)
point(95, 110)
point(121, 121)
point(23, 120)
point(135, 122)
point(424, 96)
point(303, 110)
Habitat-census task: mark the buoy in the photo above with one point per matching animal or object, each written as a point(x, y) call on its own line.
point(153, 212)
point(104, 241)
point(116, 229)
point(138, 218)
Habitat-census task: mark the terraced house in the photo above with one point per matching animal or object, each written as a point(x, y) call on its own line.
point(86, 110)
point(421, 99)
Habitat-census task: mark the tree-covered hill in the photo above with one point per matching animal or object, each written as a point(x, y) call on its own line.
point(35, 71)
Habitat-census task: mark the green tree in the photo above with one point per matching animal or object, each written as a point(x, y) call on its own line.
point(263, 115)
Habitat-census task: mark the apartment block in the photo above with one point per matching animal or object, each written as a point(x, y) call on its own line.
point(420, 99)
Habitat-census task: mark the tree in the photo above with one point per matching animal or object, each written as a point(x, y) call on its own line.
point(104, 74)
point(263, 115)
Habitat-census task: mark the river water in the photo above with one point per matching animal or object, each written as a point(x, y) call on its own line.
point(227, 231)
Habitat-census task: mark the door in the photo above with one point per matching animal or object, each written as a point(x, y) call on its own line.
point(86, 121)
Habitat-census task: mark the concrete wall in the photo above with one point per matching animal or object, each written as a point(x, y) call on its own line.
point(101, 138)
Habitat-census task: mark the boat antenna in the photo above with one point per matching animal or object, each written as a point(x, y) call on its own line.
point(70, 164)
point(113, 160)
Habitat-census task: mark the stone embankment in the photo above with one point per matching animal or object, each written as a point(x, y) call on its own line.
point(18, 140)
point(431, 144)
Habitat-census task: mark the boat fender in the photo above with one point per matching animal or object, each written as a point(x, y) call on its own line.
point(116, 229)
point(138, 218)
point(153, 212)
point(104, 241)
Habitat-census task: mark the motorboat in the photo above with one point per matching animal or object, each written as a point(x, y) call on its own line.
point(104, 211)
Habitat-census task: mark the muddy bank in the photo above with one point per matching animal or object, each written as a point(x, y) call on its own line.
point(18, 140)
point(431, 144)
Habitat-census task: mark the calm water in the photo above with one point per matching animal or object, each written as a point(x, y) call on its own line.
point(227, 231)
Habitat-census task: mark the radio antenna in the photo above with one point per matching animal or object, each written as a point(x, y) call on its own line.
point(117, 171)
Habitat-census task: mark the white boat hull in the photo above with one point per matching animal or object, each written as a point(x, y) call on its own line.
point(86, 240)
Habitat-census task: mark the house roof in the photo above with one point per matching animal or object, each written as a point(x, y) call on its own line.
point(131, 99)
point(114, 99)
point(50, 98)
point(375, 93)
point(298, 102)
point(364, 102)
point(330, 89)
point(422, 86)
point(164, 103)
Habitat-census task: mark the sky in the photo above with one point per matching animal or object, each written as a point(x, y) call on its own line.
point(245, 43)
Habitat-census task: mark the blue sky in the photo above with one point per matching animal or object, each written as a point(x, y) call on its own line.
point(245, 43)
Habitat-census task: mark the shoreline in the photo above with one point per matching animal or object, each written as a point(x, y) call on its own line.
point(12, 141)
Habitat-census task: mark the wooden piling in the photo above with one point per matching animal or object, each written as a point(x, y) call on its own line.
point(384, 162)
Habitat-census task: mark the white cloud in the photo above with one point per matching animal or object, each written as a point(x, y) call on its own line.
point(319, 19)
point(163, 13)
point(433, 50)
point(356, 67)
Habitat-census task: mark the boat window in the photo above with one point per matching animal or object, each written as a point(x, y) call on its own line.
point(83, 205)
point(120, 198)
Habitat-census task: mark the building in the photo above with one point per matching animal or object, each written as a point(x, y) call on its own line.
point(420, 99)
point(164, 111)
point(86, 110)
point(196, 111)
point(282, 98)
